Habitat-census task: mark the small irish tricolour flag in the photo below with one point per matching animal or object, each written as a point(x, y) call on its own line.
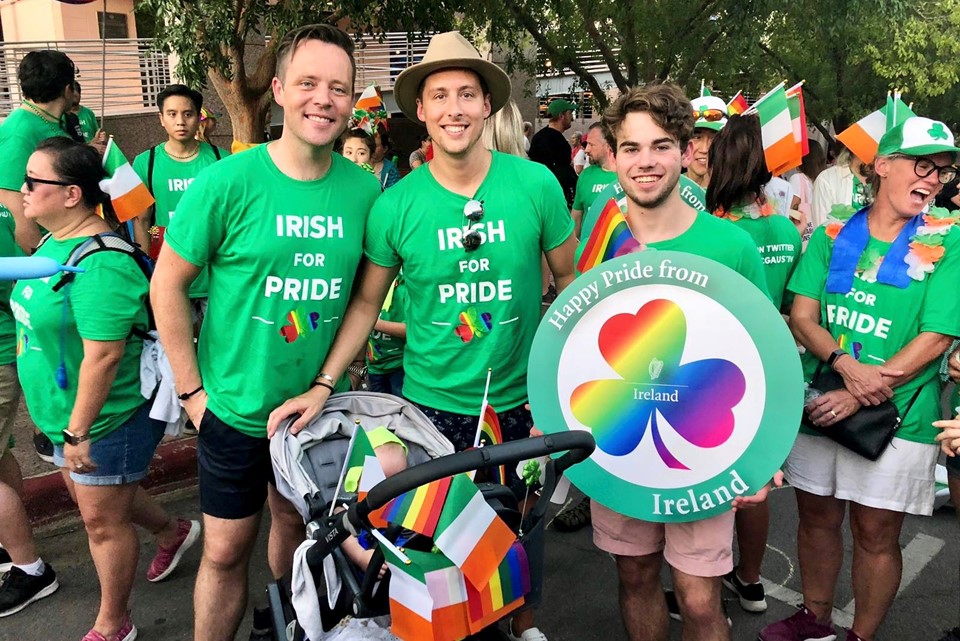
point(776, 128)
point(863, 137)
point(470, 533)
point(128, 195)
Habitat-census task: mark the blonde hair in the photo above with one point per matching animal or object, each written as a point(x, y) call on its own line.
point(504, 131)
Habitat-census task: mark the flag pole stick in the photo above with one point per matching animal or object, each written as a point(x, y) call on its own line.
point(346, 462)
point(385, 542)
point(483, 408)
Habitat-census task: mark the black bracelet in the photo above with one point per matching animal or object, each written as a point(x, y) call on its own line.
point(322, 384)
point(188, 395)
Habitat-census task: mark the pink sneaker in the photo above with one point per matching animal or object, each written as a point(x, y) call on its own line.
point(802, 626)
point(167, 559)
point(127, 632)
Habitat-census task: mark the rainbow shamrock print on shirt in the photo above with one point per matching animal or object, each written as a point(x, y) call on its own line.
point(655, 391)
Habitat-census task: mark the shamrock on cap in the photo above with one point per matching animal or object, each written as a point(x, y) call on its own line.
point(918, 136)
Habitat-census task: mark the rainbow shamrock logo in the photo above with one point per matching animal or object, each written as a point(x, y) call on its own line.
point(473, 325)
point(695, 399)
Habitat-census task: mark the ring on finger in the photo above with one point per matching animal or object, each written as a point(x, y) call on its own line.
point(833, 413)
point(956, 356)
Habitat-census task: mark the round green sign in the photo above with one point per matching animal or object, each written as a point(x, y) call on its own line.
point(685, 374)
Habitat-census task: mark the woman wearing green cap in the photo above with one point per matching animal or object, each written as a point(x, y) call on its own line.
point(876, 302)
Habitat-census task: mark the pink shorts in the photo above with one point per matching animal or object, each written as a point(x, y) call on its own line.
point(701, 548)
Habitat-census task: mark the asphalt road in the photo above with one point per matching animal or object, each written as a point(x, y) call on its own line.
point(580, 585)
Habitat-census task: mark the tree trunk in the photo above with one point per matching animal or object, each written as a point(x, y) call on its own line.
point(248, 117)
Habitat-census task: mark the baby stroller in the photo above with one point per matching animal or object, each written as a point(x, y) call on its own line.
point(308, 466)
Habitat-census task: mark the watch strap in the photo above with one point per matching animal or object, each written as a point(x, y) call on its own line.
point(834, 355)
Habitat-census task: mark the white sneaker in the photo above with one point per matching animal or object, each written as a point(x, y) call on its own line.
point(533, 634)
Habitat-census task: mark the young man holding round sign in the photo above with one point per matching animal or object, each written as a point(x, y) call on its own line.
point(650, 129)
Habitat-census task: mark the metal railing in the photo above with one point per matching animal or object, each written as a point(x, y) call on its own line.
point(381, 62)
point(135, 73)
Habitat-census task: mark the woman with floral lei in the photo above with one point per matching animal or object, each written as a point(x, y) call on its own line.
point(876, 301)
point(736, 192)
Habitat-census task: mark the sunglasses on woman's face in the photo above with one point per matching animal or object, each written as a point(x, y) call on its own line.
point(32, 182)
point(473, 212)
point(710, 115)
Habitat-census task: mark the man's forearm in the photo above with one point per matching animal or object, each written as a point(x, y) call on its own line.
point(358, 322)
point(175, 326)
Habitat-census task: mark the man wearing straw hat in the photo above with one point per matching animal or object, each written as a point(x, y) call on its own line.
point(468, 229)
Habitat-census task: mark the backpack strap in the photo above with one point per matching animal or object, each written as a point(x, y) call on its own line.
point(216, 151)
point(150, 161)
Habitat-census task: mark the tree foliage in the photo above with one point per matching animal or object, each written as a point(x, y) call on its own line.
point(848, 52)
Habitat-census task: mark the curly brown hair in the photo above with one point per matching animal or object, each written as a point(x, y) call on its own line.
point(667, 105)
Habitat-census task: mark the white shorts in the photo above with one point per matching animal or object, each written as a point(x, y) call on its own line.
point(902, 479)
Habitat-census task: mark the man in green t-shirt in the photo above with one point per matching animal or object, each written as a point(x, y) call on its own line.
point(596, 177)
point(280, 228)
point(46, 82)
point(651, 127)
point(88, 121)
point(471, 259)
point(169, 168)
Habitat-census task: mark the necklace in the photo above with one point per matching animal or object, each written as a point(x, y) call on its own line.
point(52, 121)
point(185, 157)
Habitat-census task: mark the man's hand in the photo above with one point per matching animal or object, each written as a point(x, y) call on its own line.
point(196, 406)
point(747, 502)
point(307, 405)
point(866, 382)
point(953, 365)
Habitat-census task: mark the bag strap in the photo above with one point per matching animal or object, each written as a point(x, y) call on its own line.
point(150, 161)
point(216, 151)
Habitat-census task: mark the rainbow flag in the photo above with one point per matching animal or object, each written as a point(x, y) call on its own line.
point(470, 533)
point(128, 195)
point(490, 435)
point(503, 593)
point(737, 105)
point(417, 510)
point(609, 234)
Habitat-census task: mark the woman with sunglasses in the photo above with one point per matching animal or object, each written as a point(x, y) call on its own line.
point(78, 359)
point(876, 301)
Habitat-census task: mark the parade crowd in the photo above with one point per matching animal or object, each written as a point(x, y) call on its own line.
point(289, 271)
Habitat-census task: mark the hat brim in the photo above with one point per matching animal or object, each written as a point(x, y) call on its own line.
point(407, 86)
point(926, 150)
point(713, 126)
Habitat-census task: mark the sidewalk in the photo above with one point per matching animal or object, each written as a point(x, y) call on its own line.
point(45, 496)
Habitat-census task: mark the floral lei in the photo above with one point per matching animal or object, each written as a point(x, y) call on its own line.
point(760, 209)
point(926, 245)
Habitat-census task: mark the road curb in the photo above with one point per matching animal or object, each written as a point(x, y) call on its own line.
point(174, 466)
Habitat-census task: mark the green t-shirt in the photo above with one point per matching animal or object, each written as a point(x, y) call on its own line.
point(470, 311)
point(874, 321)
point(385, 352)
point(170, 180)
point(106, 301)
point(590, 184)
point(778, 242)
point(283, 255)
point(88, 123)
point(8, 331)
point(20, 134)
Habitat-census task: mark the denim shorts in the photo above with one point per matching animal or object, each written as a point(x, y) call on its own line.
point(122, 456)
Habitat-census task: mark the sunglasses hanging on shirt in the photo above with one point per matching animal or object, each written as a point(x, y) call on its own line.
point(473, 212)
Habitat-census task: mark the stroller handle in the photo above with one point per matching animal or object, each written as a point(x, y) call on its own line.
point(578, 445)
point(331, 531)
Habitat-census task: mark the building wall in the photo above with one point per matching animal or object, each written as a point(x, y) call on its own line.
point(38, 20)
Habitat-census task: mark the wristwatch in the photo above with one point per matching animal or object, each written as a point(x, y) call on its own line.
point(70, 439)
point(834, 355)
point(360, 371)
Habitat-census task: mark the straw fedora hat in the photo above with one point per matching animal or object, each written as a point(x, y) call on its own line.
point(450, 50)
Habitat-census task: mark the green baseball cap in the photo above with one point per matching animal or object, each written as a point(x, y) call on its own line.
point(558, 106)
point(918, 136)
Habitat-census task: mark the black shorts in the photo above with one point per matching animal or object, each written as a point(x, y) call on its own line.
point(233, 469)
point(461, 429)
